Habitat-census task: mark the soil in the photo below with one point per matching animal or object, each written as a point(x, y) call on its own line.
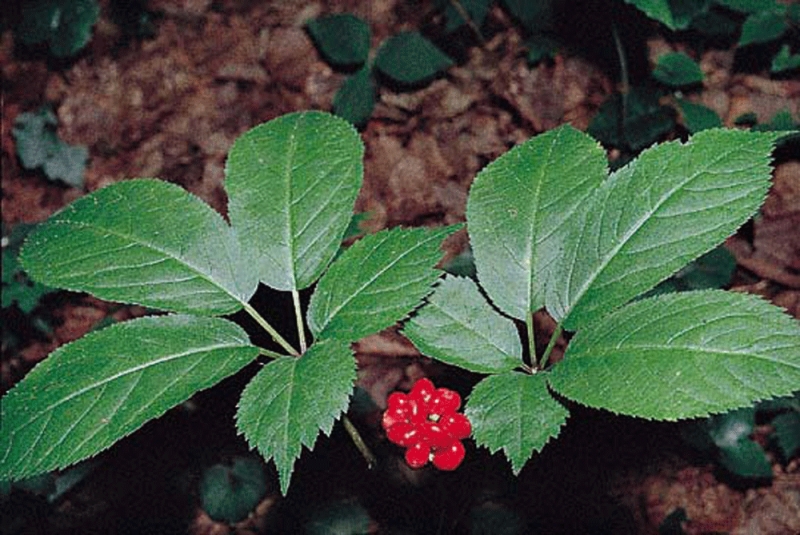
point(170, 104)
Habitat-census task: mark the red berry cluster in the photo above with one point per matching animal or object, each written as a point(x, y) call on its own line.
point(426, 422)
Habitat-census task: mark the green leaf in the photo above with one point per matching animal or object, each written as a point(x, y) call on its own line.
point(519, 207)
point(66, 25)
point(787, 433)
point(38, 146)
point(645, 120)
point(230, 492)
point(748, 6)
point(68, 164)
point(746, 459)
point(516, 413)
point(376, 283)
point(90, 393)
point(682, 355)
point(655, 215)
point(458, 327)
point(291, 184)
point(342, 38)
point(697, 117)
point(726, 430)
point(541, 47)
point(763, 27)
point(738, 453)
point(25, 293)
point(288, 402)
point(143, 241)
point(785, 61)
point(17, 287)
point(780, 122)
point(410, 58)
point(676, 69)
point(536, 17)
point(355, 100)
point(339, 518)
point(675, 15)
point(34, 134)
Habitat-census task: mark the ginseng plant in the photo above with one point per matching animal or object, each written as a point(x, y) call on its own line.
point(549, 227)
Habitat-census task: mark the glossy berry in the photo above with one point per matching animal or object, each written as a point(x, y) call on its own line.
point(394, 416)
point(449, 458)
point(403, 434)
point(422, 391)
point(425, 422)
point(456, 425)
point(418, 455)
point(432, 433)
point(444, 401)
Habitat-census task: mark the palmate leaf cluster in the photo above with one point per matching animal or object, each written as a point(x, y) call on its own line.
point(292, 183)
point(549, 227)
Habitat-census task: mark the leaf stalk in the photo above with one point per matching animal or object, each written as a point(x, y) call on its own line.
point(298, 314)
point(271, 330)
point(359, 442)
point(550, 345)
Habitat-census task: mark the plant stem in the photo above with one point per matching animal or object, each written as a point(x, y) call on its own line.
point(472, 26)
point(272, 332)
point(624, 80)
point(269, 354)
point(550, 345)
point(359, 442)
point(298, 314)
point(531, 338)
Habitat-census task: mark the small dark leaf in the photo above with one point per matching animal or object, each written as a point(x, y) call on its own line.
point(785, 61)
point(673, 523)
point(644, 123)
point(746, 459)
point(697, 117)
point(410, 58)
point(38, 146)
point(342, 38)
point(341, 518)
point(534, 16)
point(762, 27)
point(230, 492)
point(66, 25)
point(355, 100)
point(787, 433)
point(677, 70)
point(541, 47)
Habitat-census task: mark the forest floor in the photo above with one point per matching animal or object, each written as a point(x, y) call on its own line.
point(171, 104)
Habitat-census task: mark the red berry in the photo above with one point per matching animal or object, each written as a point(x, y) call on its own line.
point(432, 433)
point(394, 415)
point(444, 401)
point(456, 425)
point(417, 412)
point(418, 455)
point(450, 457)
point(403, 434)
point(422, 391)
point(398, 400)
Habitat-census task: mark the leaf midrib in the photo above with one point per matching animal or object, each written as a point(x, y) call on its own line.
point(606, 260)
point(122, 374)
point(331, 313)
point(694, 350)
point(136, 240)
